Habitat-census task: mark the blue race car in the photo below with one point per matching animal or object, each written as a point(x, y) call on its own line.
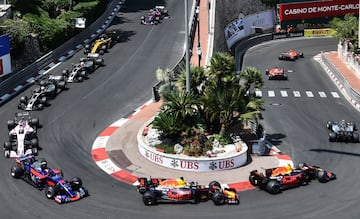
point(36, 173)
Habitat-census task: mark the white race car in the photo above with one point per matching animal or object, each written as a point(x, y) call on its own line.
point(22, 136)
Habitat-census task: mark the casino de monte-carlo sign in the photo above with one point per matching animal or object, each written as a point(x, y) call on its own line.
point(316, 9)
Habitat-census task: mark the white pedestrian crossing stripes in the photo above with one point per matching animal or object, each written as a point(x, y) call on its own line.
point(271, 93)
point(284, 93)
point(309, 94)
point(335, 95)
point(296, 94)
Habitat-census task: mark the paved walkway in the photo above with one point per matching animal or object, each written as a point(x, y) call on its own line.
point(345, 70)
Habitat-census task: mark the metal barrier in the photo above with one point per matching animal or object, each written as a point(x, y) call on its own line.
point(61, 53)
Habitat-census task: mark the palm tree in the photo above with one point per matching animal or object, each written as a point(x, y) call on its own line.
point(182, 104)
point(198, 78)
point(221, 107)
point(222, 69)
point(253, 77)
point(166, 79)
point(169, 125)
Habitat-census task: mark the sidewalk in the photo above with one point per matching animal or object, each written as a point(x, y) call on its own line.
point(350, 75)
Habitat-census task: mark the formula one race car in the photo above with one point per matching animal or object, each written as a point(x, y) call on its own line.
point(49, 87)
point(22, 136)
point(156, 190)
point(160, 11)
point(342, 131)
point(81, 70)
point(149, 20)
point(36, 173)
point(276, 74)
point(103, 43)
point(302, 175)
point(291, 55)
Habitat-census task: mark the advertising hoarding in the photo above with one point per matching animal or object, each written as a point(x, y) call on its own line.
point(5, 63)
point(244, 27)
point(317, 9)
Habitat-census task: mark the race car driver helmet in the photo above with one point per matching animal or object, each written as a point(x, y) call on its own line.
point(43, 164)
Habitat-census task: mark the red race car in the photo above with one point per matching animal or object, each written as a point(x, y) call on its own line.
point(156, 190)
point(276, 74)
point(291, 55)
point(274, 180)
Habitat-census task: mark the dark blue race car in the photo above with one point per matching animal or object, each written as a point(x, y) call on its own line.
point(36, 173)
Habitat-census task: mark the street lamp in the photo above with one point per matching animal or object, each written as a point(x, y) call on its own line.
point(198, 48)
point(187, 55)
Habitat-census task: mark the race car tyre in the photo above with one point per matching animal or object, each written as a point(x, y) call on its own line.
point(301, 55)
point(34, 151)
point(6, 153)
point(149, 198)
point(273, 187)
point(43, 100)
point(83, 74)
point(11, 124)
point(253, 180)
point(7, 145)
point(34, 142)
point(80, 79)
point(301, 165)
point(214, 185)
point(101, 52)
point(34, 122)
point(16, 171)
point(332, 137)
point(40, 106)
point(24, 99)
point(322, 176)
point(219, 198)
point(50, 192)
point(355, 137)
point(329, 125)
point(76, 183)
point(62, 85)
point(99, 62)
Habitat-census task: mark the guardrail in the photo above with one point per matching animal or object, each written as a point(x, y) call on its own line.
point(61, 53)
point(181, 65)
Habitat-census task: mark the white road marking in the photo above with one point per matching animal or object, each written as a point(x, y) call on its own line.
point(335, 94)
point(296, 93)
point(271, 93)
point(258, 93)
point(322, 94)
point(309, 94)
point(284, 93)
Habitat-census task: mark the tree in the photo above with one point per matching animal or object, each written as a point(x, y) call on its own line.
point(222, 69)
point(198, 78)
point(346, 29)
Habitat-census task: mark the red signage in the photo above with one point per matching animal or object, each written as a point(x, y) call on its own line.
point(317, 9)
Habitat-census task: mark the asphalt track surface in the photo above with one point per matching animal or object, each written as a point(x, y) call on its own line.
point(78, 115)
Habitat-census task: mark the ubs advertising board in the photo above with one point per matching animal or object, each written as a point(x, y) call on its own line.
point(5, 60)
point(311, 11)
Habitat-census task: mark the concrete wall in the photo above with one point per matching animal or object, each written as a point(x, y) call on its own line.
point(227, 11)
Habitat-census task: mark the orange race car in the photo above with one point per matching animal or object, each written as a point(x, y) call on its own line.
point(156, 190)
point(276, 74)
point(291, 55)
